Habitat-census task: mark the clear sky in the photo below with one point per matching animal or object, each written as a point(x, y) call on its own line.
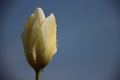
point(88, 33)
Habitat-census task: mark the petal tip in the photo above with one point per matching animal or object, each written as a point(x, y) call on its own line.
point(40, 9)
point(52, 15)
point(39, 13)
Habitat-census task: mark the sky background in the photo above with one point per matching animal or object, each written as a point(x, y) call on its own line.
point(88, 33)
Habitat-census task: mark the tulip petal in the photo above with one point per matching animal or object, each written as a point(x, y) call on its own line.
point(39, 18)
point(30, 35)
point(45, 45)
point(33, 25)
point(25, 39)
point(49, 35)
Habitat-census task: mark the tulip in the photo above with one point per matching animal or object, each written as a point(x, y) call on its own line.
point(39, 40)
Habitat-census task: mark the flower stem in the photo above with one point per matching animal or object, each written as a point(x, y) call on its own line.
point(37, 75)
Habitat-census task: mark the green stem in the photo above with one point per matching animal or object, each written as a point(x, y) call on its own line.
point(37, 75)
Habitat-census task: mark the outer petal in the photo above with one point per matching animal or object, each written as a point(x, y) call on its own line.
point(30, 34)
point(36, 28)
point(46, 37)
point(49, 35)
point(45, 44)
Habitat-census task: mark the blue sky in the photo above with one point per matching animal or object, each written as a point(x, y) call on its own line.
point(88, 39)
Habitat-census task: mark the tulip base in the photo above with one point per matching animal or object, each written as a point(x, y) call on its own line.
point(37, 75)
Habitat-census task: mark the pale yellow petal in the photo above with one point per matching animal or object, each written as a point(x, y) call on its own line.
point(39, 18)
point(32, 27)
point(31, 34)
point(49, 35)
point(25, 39)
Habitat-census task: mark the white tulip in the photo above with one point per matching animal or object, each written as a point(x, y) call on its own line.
point(39, 39)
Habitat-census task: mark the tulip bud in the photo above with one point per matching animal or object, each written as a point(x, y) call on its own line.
point(39, 39)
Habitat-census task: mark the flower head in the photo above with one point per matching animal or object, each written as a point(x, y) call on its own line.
point(39, 39)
